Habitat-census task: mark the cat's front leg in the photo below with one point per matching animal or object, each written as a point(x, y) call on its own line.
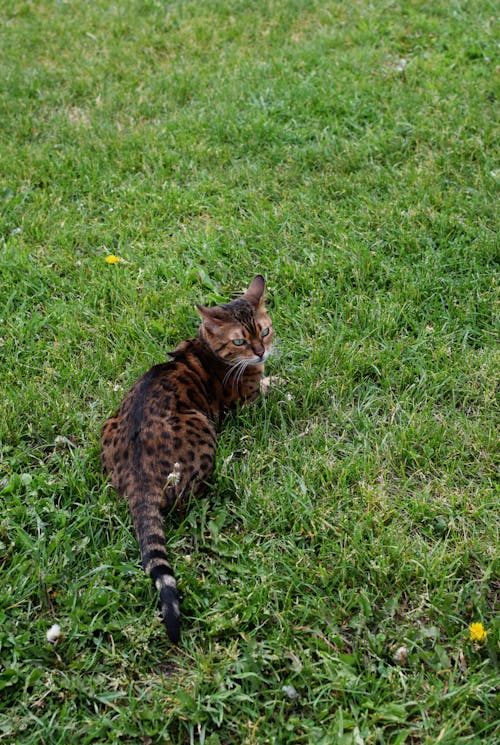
point(270, 381)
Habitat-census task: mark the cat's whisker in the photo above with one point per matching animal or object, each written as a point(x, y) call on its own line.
point(241, 371)
point(237, 372)
point(232, 369)
point(237, 368)
point(228, 374)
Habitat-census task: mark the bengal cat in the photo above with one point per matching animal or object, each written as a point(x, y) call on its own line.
point(159, 447)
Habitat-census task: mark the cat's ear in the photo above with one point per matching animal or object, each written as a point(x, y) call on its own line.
point(255, 292)
point(212, 318)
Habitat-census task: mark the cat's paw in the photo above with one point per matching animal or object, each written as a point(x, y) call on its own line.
point(268, 381)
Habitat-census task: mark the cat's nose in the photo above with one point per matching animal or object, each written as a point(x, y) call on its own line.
point(259, 350)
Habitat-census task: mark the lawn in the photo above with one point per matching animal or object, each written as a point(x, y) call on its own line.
point(350, 534)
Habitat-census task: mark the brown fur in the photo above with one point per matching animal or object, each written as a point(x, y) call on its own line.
point(160, 446)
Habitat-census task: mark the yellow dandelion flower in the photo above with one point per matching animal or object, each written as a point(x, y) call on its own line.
point(477, 632)
point(112, 259)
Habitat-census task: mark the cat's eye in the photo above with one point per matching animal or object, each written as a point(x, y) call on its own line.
point(265, 332)
point(238, 342)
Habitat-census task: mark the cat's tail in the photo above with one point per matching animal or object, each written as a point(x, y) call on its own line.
point(148, 524)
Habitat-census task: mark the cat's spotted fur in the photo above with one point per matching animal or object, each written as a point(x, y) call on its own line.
point(159, 447)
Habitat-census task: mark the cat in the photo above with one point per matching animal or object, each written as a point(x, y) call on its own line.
point(159, 448)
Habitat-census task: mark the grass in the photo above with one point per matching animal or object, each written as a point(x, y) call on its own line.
point(348, 151)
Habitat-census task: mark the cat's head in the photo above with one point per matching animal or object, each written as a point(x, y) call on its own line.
point(240, 331)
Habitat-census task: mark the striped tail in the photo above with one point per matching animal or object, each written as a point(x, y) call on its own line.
point(148, 524)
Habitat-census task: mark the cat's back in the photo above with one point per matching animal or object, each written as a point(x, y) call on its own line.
point(153, 416)
point(150, 395)
point(155, 392)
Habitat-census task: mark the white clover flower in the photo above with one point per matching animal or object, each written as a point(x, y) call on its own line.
point(174, 477)
point(401, 655)
point(53, 633)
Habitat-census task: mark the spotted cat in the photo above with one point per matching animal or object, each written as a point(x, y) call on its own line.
point(159, 447)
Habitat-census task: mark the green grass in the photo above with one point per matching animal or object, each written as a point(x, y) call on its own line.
point(347, 151)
